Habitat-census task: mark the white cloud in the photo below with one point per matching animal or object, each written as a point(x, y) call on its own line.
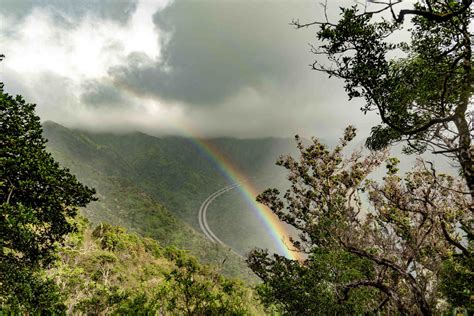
point(49, 65)
point(85, 51)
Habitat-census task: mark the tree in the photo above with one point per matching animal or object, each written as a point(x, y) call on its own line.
point(309, 288)
point(108, 271)
point(383, 255)
point(192, 289)
point(423, 94)
point(37, 199)
point(421, 88)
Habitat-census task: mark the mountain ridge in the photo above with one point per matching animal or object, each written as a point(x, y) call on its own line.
point(154, 186)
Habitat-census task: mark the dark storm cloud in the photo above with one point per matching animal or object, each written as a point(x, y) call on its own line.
point(242, 58)
point(214, 49)
point(100, 94)
point(118, 10)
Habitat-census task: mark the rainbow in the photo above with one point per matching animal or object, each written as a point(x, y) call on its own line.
point(271, 222)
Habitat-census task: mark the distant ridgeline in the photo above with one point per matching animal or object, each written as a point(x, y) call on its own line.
point(139, 178)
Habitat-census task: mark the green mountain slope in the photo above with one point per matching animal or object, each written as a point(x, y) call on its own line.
point(173, 170)
point(122, 202)
point(135, 173)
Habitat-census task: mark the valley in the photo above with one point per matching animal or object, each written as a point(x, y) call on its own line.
point(155, 187)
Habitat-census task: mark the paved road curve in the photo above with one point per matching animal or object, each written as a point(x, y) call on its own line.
point(203, 210)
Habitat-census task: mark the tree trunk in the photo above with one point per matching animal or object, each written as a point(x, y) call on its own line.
point(466, 150)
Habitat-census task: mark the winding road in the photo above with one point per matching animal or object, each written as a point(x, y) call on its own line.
point(203, 210)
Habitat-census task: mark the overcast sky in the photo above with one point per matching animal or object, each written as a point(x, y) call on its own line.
point(212, 68)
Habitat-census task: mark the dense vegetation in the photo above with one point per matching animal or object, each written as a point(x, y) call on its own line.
point(123, 202)
point(139, 178)
point(37, 200)
point(403, 245)
point(386, 255)
point(105, 270)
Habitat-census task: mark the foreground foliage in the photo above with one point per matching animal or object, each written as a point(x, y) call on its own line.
point(391, 247)
point(422, 87)
point(37, 199)
point(109, 271)
point(414, 234)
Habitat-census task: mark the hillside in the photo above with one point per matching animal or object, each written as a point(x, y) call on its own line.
point(174, 170)
point(108, 270)
point(139, 178)
point(123, 202)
